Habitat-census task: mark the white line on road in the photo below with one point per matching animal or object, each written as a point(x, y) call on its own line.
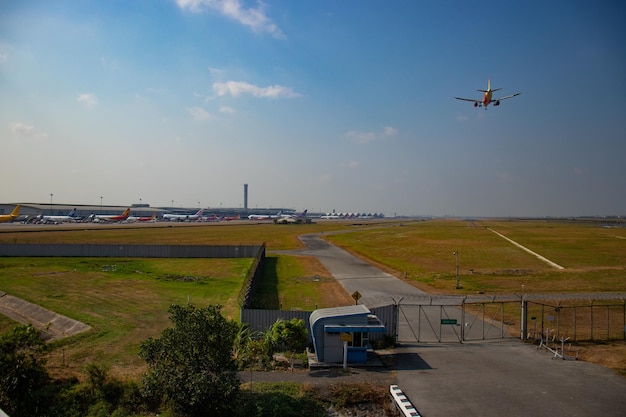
point(546, 260)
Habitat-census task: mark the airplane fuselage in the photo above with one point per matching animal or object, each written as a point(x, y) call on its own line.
point(487, 98)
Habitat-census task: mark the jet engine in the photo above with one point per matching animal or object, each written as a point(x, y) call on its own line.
point(475, 104)
point(497, 103)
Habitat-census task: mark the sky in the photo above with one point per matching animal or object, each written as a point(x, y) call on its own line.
point(319, 105)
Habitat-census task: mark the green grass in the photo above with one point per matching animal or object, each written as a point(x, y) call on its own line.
point(123, 306)
point(129, 304)
point(295, 282)
point(593, 257)
point(125, 300)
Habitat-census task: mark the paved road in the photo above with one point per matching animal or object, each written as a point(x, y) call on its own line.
point(506, 378)
point(499, 378)
point(354, 274)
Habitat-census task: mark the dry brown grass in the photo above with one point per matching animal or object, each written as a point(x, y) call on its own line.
point(611, 355)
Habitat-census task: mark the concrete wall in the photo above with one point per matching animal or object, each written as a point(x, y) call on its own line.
point(261, 320)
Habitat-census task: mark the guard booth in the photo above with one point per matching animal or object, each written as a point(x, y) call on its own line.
point(331, 327)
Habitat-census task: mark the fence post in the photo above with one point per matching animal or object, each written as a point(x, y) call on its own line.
point(591, 318)
point(524, 319)
point(463, 320)
point(608, 323)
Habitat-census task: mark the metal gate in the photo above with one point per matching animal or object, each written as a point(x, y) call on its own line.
point(455, 320)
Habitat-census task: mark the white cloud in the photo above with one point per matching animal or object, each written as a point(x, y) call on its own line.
point(216, 72)
point(237, 88)
point(23, 130)
point(4, 52)
point(362, 138)
point(389, 131)
point(254, 18)
point(227, 110)
point(199, 113)
point(88, 100)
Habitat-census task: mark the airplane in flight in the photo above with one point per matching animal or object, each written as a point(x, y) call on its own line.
point(183, 217)
point(11, 216)
point(487, 97)
point(265, 216)
point(111, 218)
point(70, 217)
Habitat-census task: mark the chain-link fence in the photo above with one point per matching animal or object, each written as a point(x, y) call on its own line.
point(576, 321)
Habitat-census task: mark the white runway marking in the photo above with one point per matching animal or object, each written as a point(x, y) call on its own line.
point(546, 260)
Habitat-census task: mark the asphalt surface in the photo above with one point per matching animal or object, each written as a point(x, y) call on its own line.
point(497, 378)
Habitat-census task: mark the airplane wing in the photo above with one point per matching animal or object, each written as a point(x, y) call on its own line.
point(469, 99)
point(505, 97)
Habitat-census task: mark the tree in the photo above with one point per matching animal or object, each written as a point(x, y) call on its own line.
point(291, 335)
point(190, 366)
point(22, 371)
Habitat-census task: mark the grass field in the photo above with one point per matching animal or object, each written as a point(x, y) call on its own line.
point(593, 257)
point(125, 301)
point(126, 305)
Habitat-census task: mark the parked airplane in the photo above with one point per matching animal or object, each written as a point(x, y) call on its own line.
point(237, 217)
point(70, 217)
point(265, 216)
point(183, 217)
point(300, 215)
point(292, 218)
point(111, 217)
point(11, 216)
point(211, 218)
point(487, 97)
point(132, 219)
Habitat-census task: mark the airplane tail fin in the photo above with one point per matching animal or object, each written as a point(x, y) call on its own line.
point(72, 213)
point(126, 212)
point(16, 211)
point(488, 86)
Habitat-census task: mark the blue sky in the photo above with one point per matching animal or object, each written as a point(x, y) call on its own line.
point(344, 105)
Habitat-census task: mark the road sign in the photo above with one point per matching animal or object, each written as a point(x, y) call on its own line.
point(356, 295)
point(448, 321)
point(345, 337)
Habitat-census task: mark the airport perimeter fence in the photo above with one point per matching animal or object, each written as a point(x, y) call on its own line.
point(128, 251)
point(251, 282)
point(576, 321)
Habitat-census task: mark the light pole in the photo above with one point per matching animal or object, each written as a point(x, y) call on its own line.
point(456, 256)
point(100, 204)
point(51, 203)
